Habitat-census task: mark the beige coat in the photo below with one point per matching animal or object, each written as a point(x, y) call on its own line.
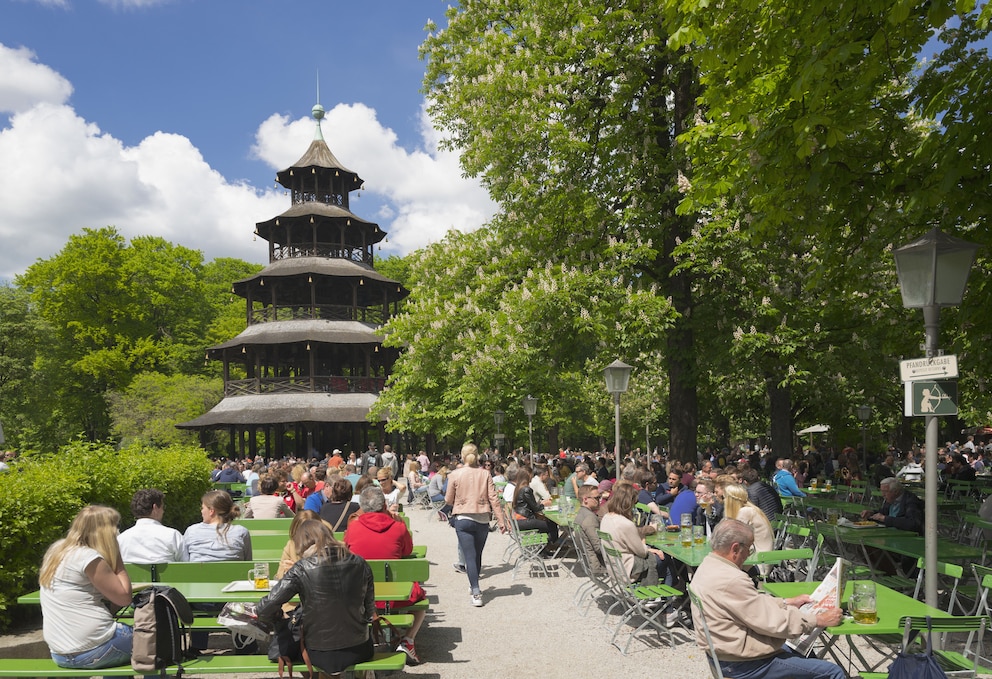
point(744, 623)
point(471, 491)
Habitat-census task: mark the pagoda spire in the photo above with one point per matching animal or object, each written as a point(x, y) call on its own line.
point(318, 113)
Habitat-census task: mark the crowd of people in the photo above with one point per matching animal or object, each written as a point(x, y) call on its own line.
point(735, 499)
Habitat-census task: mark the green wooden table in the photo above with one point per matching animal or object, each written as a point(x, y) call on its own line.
point(891, 605)
point(853, 534)
point(213, 592)
point(823, 504)
point(915, 546)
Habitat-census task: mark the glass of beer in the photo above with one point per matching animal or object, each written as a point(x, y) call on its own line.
point(260, 575)
point(698, 535)
point(832, 515)
point(830, 484)
point(863, 603)
point(812, 483)
point(686, 536)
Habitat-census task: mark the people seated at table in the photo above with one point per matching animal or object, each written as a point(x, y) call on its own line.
point(738, 506)
point(327, 578)
point(216, 538)
point(376, 534)
point(230, 473)
point(644, 564)
point(884, 469)
point(960, 470)
point(415, 483)
point(529, 513)
point(539, 484)
point(269, 503)
point(685, 502)
point(785, 481)
point(762, 494)
point(648, 484)
point(900, 508)
point(339, 507)
point(666, 492)
point(78, 573)
point(587, 520)
point(705, 493)
point(575, 480)
point(438, 484)
point(390, 488)
point(749, 627)
point(911, 471)
point(148, 541)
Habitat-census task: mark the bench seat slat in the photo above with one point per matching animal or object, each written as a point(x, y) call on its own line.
point(205, 664)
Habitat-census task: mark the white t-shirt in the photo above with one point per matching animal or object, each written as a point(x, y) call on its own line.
point(148, 541)
point(74, 617)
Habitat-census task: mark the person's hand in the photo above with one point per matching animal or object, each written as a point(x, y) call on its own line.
point(650, 529)
point(878, 517)
point(830, 617)
point(546, 503)
point(504, 529)
point(865, 514)
point(798, 601)
point(674, 491)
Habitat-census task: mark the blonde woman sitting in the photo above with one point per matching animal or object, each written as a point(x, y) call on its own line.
point(738, 506)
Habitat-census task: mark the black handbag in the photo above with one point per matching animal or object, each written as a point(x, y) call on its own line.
point(916, 665)
point(286, 647)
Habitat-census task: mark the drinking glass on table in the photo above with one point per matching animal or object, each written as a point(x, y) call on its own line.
point(863, 602)
point(698, 535)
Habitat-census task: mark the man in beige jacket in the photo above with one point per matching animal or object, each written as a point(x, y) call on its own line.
point(749, 627)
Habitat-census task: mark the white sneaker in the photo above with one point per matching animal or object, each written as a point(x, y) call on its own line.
point(477, 600)
point(671, 619)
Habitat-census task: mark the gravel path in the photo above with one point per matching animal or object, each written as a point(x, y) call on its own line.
point(527, 626)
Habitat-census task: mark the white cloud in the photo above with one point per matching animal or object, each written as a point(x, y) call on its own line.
point(422, 191)
point(25, 83)
point(61, 173)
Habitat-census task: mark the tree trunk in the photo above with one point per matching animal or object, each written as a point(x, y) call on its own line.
point(780, 405)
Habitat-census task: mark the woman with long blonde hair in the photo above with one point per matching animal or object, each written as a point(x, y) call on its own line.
point(77, 574)
point(738, 506)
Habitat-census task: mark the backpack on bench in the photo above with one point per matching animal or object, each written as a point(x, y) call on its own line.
point(162, 617)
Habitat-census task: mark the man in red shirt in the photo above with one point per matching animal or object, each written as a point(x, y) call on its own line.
point(376, 534)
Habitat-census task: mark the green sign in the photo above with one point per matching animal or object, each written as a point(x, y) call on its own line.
point(935, 398)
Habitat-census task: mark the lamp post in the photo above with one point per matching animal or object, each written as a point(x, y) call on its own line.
point(933, 271)
point(617, 376)
point(864, 414)
point(498, 418)
point(530, 410)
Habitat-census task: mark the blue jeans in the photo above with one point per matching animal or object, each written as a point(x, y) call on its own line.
point(785, 665)
point(113, 653)
point(472, 537)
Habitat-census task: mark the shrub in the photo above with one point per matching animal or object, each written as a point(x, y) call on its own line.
point(40, 495)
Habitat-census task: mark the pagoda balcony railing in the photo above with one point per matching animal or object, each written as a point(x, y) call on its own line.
point(332, 250)
point(327, 312)
point(324, 384)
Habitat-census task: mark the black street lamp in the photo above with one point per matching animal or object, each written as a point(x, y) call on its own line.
point(530, 410)
point(617, 376)
point(498, 418)
point(933, 271)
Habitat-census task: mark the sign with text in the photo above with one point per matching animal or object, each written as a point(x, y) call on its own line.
point(936, 368)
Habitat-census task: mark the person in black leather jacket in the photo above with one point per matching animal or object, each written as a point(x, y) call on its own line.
point(525, 505)
point(328, 579)
point(762, 494)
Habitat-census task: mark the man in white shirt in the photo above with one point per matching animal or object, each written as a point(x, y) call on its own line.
point(148, 541)
point(539, 483)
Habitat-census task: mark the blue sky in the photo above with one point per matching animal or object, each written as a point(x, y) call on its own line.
point(170, 117)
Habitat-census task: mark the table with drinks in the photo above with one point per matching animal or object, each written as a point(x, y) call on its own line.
point(872, 610)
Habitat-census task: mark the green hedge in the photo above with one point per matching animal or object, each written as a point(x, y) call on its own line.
point(40, 495)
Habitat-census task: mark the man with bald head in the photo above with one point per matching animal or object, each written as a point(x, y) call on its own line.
point(749, 627)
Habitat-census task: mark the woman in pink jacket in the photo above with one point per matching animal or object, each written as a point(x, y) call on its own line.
point(472, 496)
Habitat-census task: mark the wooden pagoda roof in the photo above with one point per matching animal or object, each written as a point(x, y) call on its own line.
point(320, 266)
point(319, 155)
point(262, 409)
point(304, 330)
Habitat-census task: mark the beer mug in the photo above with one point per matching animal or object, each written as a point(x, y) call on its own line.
point(863, 602)
point(260, 575)
point(832, 516)
point(698, 535)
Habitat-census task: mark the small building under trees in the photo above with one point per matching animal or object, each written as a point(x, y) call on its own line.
point(302, 377)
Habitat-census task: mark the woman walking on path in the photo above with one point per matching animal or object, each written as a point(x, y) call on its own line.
point(473, 499)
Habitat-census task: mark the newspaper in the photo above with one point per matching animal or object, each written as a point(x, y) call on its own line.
point(827, 595)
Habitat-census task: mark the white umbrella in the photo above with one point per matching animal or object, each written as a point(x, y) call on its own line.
point(815, 429)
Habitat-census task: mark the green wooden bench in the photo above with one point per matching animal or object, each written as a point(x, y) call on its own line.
point(383, 570)
point(205, 664)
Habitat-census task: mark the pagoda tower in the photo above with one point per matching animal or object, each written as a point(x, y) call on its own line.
point(305, 372)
